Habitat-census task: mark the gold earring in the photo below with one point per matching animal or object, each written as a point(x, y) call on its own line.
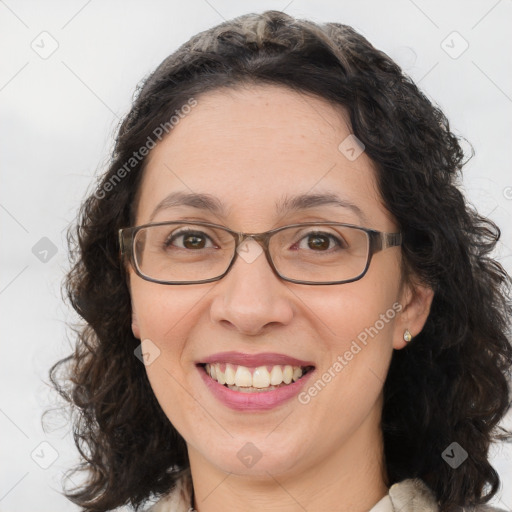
point(407, 336)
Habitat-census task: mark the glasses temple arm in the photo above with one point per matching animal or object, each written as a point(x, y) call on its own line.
point(380, 241)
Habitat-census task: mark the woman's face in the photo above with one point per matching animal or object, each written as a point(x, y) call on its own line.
point(250, 149)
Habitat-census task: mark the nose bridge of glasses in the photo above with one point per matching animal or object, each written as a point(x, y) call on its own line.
point(249, 254)
point(260, 238)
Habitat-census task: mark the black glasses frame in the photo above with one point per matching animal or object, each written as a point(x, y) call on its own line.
point(378, 241)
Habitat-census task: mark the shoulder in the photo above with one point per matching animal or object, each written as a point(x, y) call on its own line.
point(414, 495)
point(484, 508)
point(179, 498)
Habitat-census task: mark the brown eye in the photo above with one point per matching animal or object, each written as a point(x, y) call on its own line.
point(318, 242)
point(321, 242)
point(189, 240)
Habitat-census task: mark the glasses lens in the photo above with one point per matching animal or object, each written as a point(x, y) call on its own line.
point(182, 252)
point(320, 253)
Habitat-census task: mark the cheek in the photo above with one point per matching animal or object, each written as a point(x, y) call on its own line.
point(162, 310)
point(361, 311)
point(355, 326)
point(166, 317)
point(358, 342)
point(356, 330)
point(373, 302)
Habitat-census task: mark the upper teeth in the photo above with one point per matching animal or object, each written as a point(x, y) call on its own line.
point(259, 377)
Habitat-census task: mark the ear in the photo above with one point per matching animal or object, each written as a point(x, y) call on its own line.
point(135, 324)
point(415, 299)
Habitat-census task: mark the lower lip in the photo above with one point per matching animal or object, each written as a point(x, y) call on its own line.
point(257, 401)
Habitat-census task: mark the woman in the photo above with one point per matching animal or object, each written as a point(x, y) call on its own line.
point(288, 303)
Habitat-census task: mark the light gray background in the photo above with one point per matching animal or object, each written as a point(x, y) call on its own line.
point(58, 120)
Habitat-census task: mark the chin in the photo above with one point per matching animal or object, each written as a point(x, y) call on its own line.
point(257, 458)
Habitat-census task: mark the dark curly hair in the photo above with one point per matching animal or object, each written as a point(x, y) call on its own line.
point(451, 384)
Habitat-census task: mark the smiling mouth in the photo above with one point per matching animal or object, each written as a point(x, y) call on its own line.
point(255, 379)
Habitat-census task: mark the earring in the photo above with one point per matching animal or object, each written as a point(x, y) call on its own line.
point(407, 336)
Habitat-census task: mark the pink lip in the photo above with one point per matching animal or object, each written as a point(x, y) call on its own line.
point(254, 360)
point(262, 401)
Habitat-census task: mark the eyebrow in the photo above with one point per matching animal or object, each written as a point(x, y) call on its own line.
point(285, 205)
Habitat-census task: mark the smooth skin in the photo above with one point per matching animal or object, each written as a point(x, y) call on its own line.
point(249, 147)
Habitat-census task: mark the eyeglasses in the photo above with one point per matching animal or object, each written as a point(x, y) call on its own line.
point(189, 252)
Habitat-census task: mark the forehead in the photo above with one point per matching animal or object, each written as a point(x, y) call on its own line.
point(252, 146)
point(276, 119)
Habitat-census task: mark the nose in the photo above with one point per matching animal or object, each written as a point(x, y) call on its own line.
point(251, 297)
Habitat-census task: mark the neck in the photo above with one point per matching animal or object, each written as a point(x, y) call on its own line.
point(351, 479)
